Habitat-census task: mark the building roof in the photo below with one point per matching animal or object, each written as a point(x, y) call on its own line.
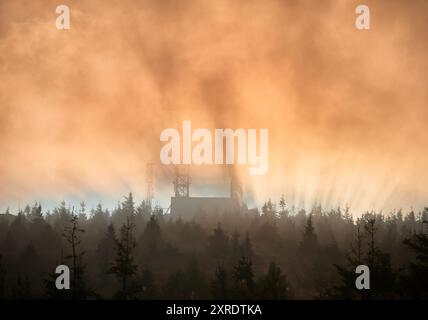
point(190, 207)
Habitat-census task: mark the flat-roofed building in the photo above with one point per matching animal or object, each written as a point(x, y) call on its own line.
point(191, 207)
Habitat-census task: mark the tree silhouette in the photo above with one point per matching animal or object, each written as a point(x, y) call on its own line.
point(124, 267)
point(243, 279)
point(128, 207)
point(17, 238)
point(283, 213)
point(72, 234)
point(381, 274)
point(106, 250)
point(268, 210)
point(151, 240)
point(415, 281)
point(246, 248)
point(273, 285)
point(236, 250)
point(382, 277)
point(346, 289)
point(196, 280)
point(106, 254)
point(219, 284)
point(218, 244)
point(309, 245)
point(175, 256)
point(29, 268)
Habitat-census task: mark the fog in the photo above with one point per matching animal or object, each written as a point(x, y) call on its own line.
point(81, 110)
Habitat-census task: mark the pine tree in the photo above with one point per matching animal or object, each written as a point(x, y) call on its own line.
point(246, 248)
point(348, 216)
point(370, 229)
point(268, 210)
point(151, 239)
point(72, 235)
point(144, 209)
point(218, 244)
point(381, 274)
point(346, 288)
point(284, 212)
point(124, 267)
point(142, 215)
point(82, 213)
point(195, 279)
point(106, 254)
point(17, 238)
point(187, 285)
point(243, 279)
point(4, 226)
point(415, 281)
point(62, 217)
point(274, 285)
point(235, 248)
point(128, 207)
point(48, 244)
point(382, 278)
point(37, 223)
point(28, 267)
point(106, 249)
point(309, 245)
point(36, 213)
point(357, 250)
point(219, 284)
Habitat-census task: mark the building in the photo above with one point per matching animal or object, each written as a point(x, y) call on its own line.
point(186, 207)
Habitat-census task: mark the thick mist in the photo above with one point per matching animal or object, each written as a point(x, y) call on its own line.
point(81, 110)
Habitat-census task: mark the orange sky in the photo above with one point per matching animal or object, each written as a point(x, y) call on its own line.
point(347, 111)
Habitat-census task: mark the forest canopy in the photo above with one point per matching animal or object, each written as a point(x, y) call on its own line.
point(138, 252)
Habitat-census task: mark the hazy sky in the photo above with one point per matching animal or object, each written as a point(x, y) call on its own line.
point(81, 110)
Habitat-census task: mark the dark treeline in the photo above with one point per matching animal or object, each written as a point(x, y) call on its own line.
point(136, 252)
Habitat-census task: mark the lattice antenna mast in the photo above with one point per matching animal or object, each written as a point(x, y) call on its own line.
point(182, 181)
point(149, 183)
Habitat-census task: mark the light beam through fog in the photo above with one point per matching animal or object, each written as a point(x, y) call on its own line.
point(81, 110)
